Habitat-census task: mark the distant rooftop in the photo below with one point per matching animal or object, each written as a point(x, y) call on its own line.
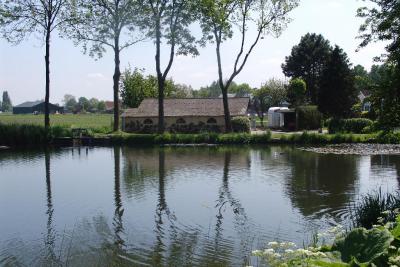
point(29, 104)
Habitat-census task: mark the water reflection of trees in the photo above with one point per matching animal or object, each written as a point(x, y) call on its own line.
point(321, 183)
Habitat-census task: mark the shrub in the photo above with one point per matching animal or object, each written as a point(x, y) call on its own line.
point(241, 125)
point(309, 118)
point(357, 125)
point(388, 138)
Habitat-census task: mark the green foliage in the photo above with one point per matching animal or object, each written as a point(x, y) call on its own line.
point(307, 61)
point(209, 138)
point(241, 125)
point(368, 211)
point(357, 248)
point(29, 135)
point(240, 90)
point(309, 118)
point(385, 96)
point(337, 94)
point(356, 125)
point(382, 24)
point(135, 87)
point(389, 137)
point(296, 92)
point(364, 246)
point(6, 105)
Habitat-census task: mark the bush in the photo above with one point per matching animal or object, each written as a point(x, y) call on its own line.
point(309, 118)
point(241, 125)
point(388, 138)
point(357, 125)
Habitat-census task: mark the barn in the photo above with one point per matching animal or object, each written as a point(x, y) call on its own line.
point(36, 107)
point(183, 114)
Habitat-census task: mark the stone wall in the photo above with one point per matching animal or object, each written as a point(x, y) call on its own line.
point(174, 124)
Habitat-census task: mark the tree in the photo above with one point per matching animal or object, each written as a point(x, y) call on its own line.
point(385, 106)
point(296, 92)
point(307, 61)
point(70, 102)
point(240, 90)
point(98, 24)
point(382, 24)
point(361, 78)
point(211, 90)
point(19, 18)
point(135, 87)
point(101, 106)
point(337, 93)
point(168, 21)
point(218, 19)
point(83, 103)
point(6, 105)
point(182, 91)
point(93, 104)
point(261, 102)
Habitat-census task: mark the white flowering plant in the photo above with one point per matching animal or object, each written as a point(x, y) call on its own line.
point(379, 246)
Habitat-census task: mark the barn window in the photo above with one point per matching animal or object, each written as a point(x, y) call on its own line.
point(147, 121)
point(212, 121)
point(180, 121)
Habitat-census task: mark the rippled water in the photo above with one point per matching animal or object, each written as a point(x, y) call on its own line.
point(182, 206)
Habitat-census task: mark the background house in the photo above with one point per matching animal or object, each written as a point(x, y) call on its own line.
point(363, 96)
point(183, 115)
point(36, 107)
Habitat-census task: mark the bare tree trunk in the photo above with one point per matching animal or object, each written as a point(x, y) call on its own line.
point(160, 79)
point(224, 90)
point(161, 84)
point(116, 78)
point(47, 96)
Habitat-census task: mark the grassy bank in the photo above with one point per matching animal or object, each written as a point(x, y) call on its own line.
point(29, 134)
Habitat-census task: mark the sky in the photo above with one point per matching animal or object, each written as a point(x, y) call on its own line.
point(22, 69)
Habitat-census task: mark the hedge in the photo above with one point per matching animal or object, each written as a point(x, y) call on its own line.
point(356, 125)
point(241, 125)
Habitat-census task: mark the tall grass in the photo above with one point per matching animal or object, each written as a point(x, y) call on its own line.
point(28, 135)
point(375, 207)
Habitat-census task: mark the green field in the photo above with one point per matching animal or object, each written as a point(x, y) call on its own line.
point(67, 120)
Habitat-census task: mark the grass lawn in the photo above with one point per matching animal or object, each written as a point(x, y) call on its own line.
point(68, 120)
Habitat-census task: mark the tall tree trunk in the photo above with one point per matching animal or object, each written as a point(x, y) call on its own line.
point(160, 79)
point(224, 90)
point(116, 78)
point(161, 85)
point(47, 96)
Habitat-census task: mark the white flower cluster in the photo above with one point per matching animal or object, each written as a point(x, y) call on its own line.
point(279, 254)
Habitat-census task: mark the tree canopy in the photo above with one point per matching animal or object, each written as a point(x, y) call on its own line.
point(307, 61)
point(337, 94)
point(6, 105)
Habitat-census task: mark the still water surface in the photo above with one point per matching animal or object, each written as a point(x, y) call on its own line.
point(182, 206)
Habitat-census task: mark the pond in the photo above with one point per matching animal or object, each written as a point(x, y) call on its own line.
point(174, 206)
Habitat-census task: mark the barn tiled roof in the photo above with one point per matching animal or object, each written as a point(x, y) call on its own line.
point(29, 104)
point(182, 107)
